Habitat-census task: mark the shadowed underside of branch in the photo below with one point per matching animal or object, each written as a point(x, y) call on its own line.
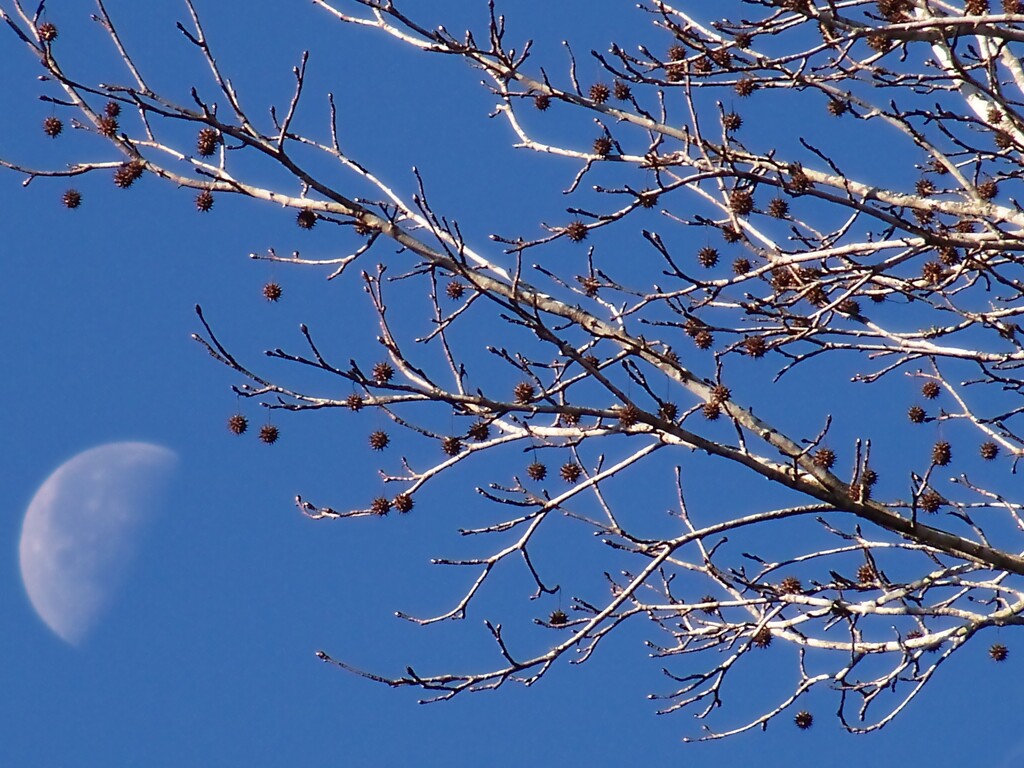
point(602, 369)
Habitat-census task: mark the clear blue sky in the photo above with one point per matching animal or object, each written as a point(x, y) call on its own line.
point(207, 658)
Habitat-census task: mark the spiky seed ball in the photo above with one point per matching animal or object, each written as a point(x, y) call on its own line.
point(629, 416)
point(720, 393)
point(272, 292)
point(569, 418)
point(602, 146)
point(479, 431)
point(237, 424)
point(599, 93)
point(745, 86)
point(382, 372)
point(721, 57)
point(755, 346)
point(925, 187)
point(879, 42)
point(975, 7)
point(204, 201)
point(762, 638)
point(127, 174)
point(704, 339)
point(306, 219)
point(866, 574)
point(47, 32)
point(558, 618)
point(52, 126)
point(621, 91)
point(731, 235)
point(702, 66)
point(72, 198)
point(380, 506)
point(668, 411)
point(916, 414)
point(403, 502)
point(1003, 140)
point(112, 109)
point(591, 285)
point(849, 307)
point(207, 141)
point(932, 272)
point(707, 256)
point(741, 266)
point(570, 472)
point(989, 451)
point(648, 200)
point(451, 445)
point(269, 434)
point(860, 491)
point(803, 720)
point(869, 476)
point(942, 454)
point(542, 101)
point(824, 458)
point(379, 440)
point(576, 231)
point(930, 390)
point(1013, 6)
point(799, 181)
point(998, 652)
point(965, 226)
point(949, 255)
point(676, 53)
point(674, 73)
point(711, 602)
point(711, 411)
point(731, 121)
point(837, 107)
point(741, 202)
point(107, 126)
point(354, 402)
point(524, 392)
point(817, 296)
point(536, 471)
point(455, 290)
point(930, 501)
point(988, 190)
point(791, 586)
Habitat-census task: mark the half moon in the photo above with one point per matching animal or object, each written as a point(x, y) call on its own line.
point(82, 528)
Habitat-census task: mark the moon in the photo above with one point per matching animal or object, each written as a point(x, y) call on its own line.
point(82, 528)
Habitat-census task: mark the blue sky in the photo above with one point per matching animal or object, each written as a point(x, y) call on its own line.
point(207, 658)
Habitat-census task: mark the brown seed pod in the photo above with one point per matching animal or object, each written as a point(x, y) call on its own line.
point(629, 416)
point(711, 602)
point(711, 411)
point(306, 218)
point(379, 440)
point(536, 471)
point(451, 445)
point(542, 101)
point(930, 501)
point(204, 201)
point(741, 266)
point(403, 502)
point(925, 187)
point(762, 638)
point(455, 290)
point(237, 424)
point(52, 126)
point(112, 109)
point(603, 146)
point(720, 393)
point(382, 372)
point(755, 346)
point(272, 292)
point(269, 434)
point(989, 451)
point(731, 121)
point(745, 86)
point(558, 618)
point(998, 652)
point(599, 93)
point(380, 506)
point(576, 231)
point(207, 141)
point(523, 392)
point(976, 7)
point(128, 173)
point(668, 411)
point(942, 454)
point(869, 476)
point(916, 414)
point(930, 390)
point(47, 32)
point(836, 107)
point(778, 208)
point(479, 431)
point(72, 198)
point(824, 458)
point(803, 720)
point(621, 91)
point(707, 256)
point(648, 200)
point(107, 126)
point(741, 202)
point(570, 472)
point(355, 402)
point(704, 339)
point(791, 586)
point(866, 574)
point(987, 190)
